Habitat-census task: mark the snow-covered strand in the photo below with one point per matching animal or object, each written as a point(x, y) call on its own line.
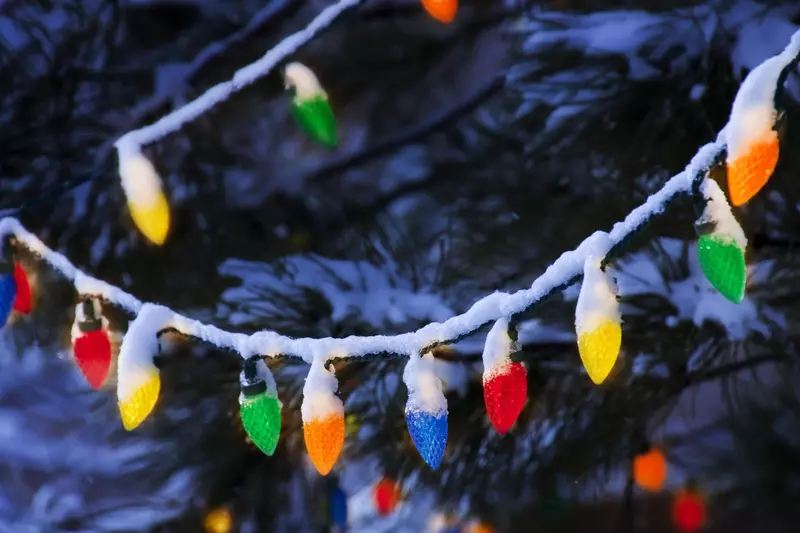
point(242, 78)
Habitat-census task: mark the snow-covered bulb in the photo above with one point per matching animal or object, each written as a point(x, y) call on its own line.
point(721, 244)
point(138, 379)
point(426, 409)
point(751, 134)
point(310, 105)
point(598, 321)
point(259, 406)
point(146, 201)
point(323, 417)
point(505, 383)
point(91, 343)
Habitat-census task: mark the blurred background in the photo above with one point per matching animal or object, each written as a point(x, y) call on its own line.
point(471, 156)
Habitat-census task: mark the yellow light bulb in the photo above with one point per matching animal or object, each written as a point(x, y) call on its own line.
point(152, 219)
point(218, 521)
point(599, 349)
point(135, 409)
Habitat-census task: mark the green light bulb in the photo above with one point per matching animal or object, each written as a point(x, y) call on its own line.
point(723, 264)
point(261, 418)
point(316, 117)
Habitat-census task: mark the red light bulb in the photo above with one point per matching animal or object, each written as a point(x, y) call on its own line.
point(91, 343)
point(504, 393)
point(387, 495)
point(689, 511)
point(23, 300)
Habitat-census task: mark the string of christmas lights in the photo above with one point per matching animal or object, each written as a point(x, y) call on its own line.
point(597, 320)
point(141, 183)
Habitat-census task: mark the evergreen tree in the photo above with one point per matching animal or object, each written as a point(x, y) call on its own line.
point(471, 156)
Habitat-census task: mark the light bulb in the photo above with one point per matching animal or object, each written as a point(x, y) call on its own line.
point(8, 289)
point(426, 409)
point(505, 383)
point(650, 470)
point(387, 494)
point(442, 10)
point(259, 406)
point(138, 380)
point(597, 322)
point(688, 511)
point(721, 246)
point(23, 302)
point(91, 344)
point(310, 105)
point(323, 418)
point(146, 201)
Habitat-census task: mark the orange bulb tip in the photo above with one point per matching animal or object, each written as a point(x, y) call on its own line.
point(324, 441)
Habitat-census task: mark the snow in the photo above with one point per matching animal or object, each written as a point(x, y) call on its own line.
point(305, 84)
point(139, 346)
point(498, 349)
point(718, 211)
point(75, 332)
point(597, 301)
point(424, 386)
point(319, 393)
point(241, 78)
point(140, 181)
point(753, 113)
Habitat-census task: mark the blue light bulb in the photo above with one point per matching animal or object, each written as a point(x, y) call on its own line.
point(339, 508)
point(8, 291)
point(429, 434)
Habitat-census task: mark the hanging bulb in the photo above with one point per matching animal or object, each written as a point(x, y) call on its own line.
point(310, 105)
point(597, 322)
point(751, 135)
point(146, 201)
point(426, 410)
point(138, 380)
point(8, 284)
point(338, 507)
point(90, 341)
point(218, 521)
point(387, 495)
point(720, 248)
point(689, 510)
point(23, 302)
point(650, 469)
point(323, 417)
point(442, 10)
point(259, 405)
point(505, 383)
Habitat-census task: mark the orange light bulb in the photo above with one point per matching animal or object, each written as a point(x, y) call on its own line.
point(750, 172)
point(324, 438)
point(442, 10)
point(650, 470)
